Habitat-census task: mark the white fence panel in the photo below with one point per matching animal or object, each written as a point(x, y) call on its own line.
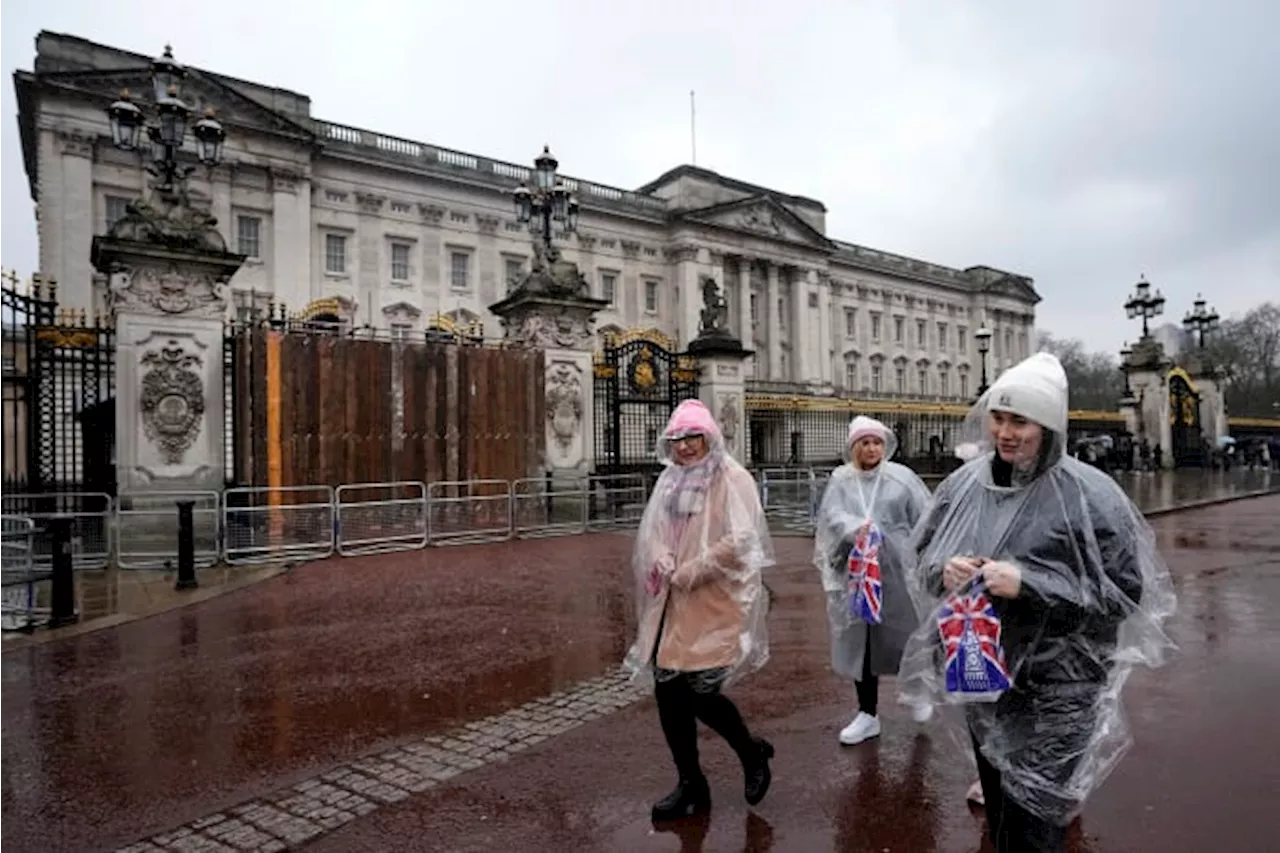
point(375, 518)
point(463, 511)
point(147, 529)
point(264, 524)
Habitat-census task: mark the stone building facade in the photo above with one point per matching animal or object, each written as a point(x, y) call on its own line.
point(399, 234)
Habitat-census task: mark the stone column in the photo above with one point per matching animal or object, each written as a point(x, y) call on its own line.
point(169, 268)
point(801, 364)
point(745, 331)
point(552, 309)
point(775, 324)
point(688, 261)
point(291, 240)
point(1147, 367)
point(826, 369)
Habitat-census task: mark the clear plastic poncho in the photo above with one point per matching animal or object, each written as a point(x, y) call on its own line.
point(702, 546)
point(875, 512)
point(1093, 599)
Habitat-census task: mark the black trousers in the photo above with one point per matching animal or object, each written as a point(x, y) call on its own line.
point(683, 699)
point(868, 687)
point(1012, 828)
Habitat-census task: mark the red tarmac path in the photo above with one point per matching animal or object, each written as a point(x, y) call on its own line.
point(114, 735)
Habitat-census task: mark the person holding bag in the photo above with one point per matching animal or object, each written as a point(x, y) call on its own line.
point(1042, 588)
point(862, 550)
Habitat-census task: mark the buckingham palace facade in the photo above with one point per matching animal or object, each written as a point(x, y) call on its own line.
point(404, 235)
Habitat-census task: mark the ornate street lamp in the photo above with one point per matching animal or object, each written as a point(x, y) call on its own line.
point(169, 131)
point(1201, 320)
point(549, 201)
point(1124, 369)
point(983, 337)
point(1143, 304)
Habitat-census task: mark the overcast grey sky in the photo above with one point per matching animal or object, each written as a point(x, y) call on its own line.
point(1080, 143)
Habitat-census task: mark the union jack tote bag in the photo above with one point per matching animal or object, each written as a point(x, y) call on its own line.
point(865, 589)
point(970, 633)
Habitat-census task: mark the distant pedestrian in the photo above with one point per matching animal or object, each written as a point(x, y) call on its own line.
point(863, 551)
point(700, 551)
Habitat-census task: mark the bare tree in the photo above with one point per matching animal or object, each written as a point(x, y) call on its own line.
point(1247, 349)
point(1094, 378)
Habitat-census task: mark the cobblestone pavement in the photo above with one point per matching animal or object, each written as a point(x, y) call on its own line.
point(291, 816)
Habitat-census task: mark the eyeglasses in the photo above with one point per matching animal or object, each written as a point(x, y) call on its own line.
point(697, 436)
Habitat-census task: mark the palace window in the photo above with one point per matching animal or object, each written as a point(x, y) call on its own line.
point(850, 375)
point(335, 254)
point(459, 270)
point(900, 380)
point(922, 335)
point(964, 385)
point(249, 236)
point(899, 324)
point(875, 327)
point(117, 209)
point(944, 383)
point(962, 338)
point(401, 331)
point(608, 286)
point(399, 261)
point(515, 272)
point(651, 297)
point(877, 373)
point(851, 322)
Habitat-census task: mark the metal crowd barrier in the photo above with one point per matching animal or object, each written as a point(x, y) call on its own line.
point(147, 529)
point(267, 524)
point(91, 523)
point(544, 507)
point(465, 511)
point(259, 525)
point(21, 582)
point(375, 518)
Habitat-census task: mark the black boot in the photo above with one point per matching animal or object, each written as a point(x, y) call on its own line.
point(757, 772)
point(690, 797)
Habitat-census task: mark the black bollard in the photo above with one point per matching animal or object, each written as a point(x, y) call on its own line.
point(63, 603)
point(186, 547)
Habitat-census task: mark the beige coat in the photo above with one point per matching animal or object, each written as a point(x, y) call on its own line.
point(708, 600)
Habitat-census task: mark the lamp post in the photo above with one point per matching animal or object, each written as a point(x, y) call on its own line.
point(169, 131)
point(549, 201)
point(1124, 368)
point(1142, 303)
point(983, 337)
point(1201, 320)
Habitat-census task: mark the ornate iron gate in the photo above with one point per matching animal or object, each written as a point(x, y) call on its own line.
point(639, 380)
point(1184, 420)
point(59, 386)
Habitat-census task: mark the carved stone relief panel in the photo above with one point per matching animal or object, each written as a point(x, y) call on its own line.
point(729, 416)
point(566, 404)
point(167, 290)
point(172, 399)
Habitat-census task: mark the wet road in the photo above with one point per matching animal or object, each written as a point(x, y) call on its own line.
point(112, 736)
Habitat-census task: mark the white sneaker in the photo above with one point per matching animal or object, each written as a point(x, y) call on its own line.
point(922, 713)
point(863, 727)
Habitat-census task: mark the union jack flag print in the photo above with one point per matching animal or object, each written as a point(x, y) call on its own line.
point(970, 632)
point(865, 590)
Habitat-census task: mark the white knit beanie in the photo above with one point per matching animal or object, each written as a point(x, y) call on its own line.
point(1036, 389)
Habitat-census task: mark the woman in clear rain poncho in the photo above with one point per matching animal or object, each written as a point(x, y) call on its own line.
point(862, 549)
point(702, 544)
point(1042, 588)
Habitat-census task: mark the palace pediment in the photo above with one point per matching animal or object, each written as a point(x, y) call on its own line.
point(760, 216)
point(200, 90)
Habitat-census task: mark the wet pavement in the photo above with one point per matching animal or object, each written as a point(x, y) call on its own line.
point(231, 713)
